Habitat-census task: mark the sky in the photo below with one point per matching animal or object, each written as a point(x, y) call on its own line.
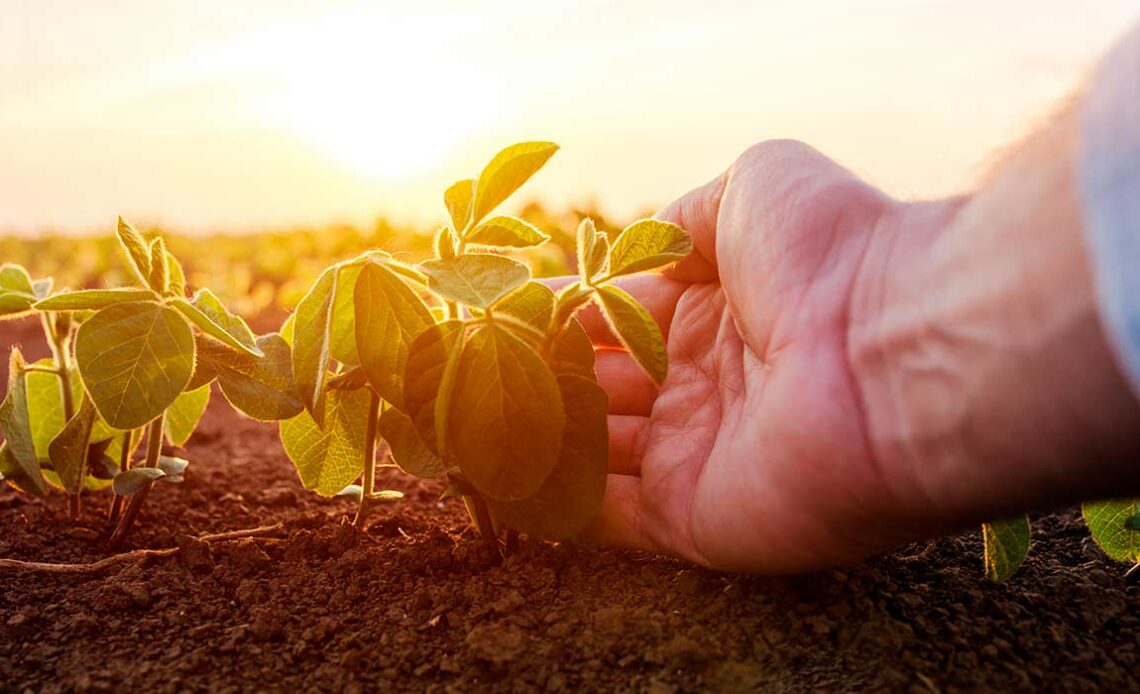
point(239, 115)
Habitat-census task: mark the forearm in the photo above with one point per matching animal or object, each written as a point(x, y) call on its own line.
point(987, 378)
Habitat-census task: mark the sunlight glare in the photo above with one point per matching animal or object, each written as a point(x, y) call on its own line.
point(384, 98)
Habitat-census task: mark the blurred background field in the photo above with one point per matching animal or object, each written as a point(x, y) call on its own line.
point(263, 275)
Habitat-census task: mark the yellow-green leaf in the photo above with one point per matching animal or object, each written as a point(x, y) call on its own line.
point(135, 359)
point(159, 278)
point(637, 330)
point(532, 303)
point(182, 417)
point(506, 172)
point(457, 198)
point(68, 450)
point(45, 404)
point(14, 304)
point(177, 276)
point(592, 247)
point(573, 352)
point(208, 313)
point(647, 244)
point(329, 458)
point(136, 249)
point(261, 387)
point(506, 416)
point(14, 278)
point(571, 497)
point(444, 243)
point(1106, 521)
point(312, 342)
point(389, 316)
point(478, 279)
point(1006, 544)
point(342, 329)
point(18, 463)
point(509, 232)
point(407, 447)
point(93, 299)
point(428, 357)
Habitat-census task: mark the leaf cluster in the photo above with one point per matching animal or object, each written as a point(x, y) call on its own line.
point(473, 370)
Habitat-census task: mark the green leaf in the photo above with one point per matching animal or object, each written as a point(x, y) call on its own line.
point(14, 304)
point(506, 172)
point(592, 248)
point(342, 339)
point(45, 404)
point(208, 313)
point(330, 458)
point(68, 450)
point(14, 278)
point(573, 352)
point(312, 342)
point(261, 387)
point(183, 415)
point(571, 497)
point(648, 244)
point(177, 276)
point(509, 232)
point(132, 481)
point(444, 243)
point(349, 379)
point(1132, 522)
point(19, 464)
point(135, 360)
point(1106, 521)
point(94, 299)
point(428, 357)
point(136, 249)
point(457, 198)
point(407, 447)
point(532, 304)
point(637, 330)
point(506, 417)
point(478, 279)
point(159, 279)
point(389, 316)
point(1006, 545)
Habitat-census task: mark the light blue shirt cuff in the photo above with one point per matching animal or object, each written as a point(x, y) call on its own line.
point(1109, 181)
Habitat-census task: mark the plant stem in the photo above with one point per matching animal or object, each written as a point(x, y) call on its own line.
point(59, 345)
point(512, 541)
point(124, 465)
point(486, 525)
point(153, 451)
point(369, 460)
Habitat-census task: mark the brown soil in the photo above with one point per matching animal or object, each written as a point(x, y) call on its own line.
point(415, 602)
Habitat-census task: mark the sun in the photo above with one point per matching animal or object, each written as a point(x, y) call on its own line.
point(384, 98)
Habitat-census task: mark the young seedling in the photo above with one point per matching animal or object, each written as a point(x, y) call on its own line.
point(144, 358)
point(469, 368)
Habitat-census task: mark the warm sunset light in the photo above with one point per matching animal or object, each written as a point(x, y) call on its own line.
point(240, 115)
point(569, 346)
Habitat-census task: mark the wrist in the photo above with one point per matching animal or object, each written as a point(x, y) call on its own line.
point(987, 381)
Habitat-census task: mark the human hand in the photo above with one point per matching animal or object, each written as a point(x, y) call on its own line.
point(847, 373)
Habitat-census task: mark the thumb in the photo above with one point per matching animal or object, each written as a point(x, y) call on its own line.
point(696, 212)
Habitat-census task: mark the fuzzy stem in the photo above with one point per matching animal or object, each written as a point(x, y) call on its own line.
point(124, 465)
point(369, 460)
point(153, 451)
point(59, 345)
point(486, 525)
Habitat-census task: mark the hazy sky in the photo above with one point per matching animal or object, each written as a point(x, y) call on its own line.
point(237, 114)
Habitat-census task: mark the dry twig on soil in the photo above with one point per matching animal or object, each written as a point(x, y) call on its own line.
point(107, 562)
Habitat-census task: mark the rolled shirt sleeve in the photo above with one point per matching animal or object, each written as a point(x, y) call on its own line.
point(1109, 182)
